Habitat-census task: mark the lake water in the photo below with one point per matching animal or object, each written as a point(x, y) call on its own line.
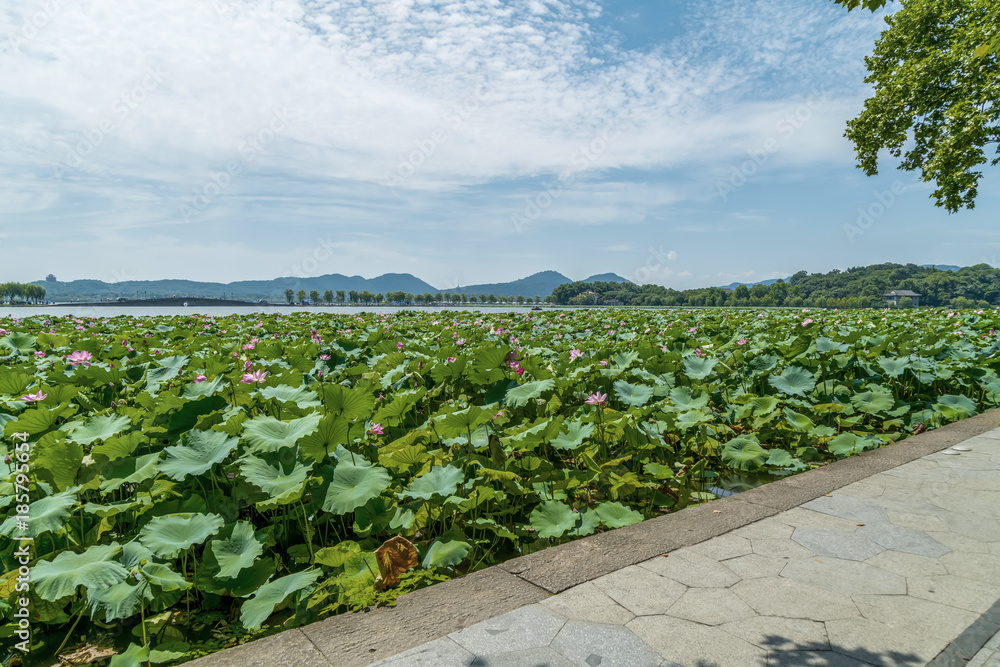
point(83, 310)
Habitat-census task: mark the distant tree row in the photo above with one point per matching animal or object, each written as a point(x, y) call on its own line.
point(859, 287)
point(26, 292)
point(401, 298)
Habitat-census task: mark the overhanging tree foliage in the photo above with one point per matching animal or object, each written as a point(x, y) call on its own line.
point(937, 84)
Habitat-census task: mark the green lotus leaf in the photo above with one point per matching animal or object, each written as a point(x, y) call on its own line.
point(460, 422)
point(256, 610)
point(443, 552)
point(353, 485)
point(552, 518)
point(96, 428)
point(298, 395)
point(134, 553)
point(872, 402)
point(955, 407)
point(529, 391)
point(780, 458)
point(45, 515)
point(692, 418)
point(118, 601)
point(576, 433)
point(203, 388)
point(14, 383)
point(169, 652)
point(440, 481)
point(587, 521)
point(699, 368)
point(361, 569)
point(744, 453)
point(57, 460)
point(846, 444)
point(160, 575)
point(167, 536)
point(825, 345)
point(632, 394)
point(685, 400)
point(764, 363)
point(351, 404)
point(18, 343)
point(893, 367)
point(616, 515)
point(134, 656)
point(267, 434)
point(336, 555)
point(185, 418)
point(283, 485)
point(762, 406)
point(332, 432)
point(794, 381)
point(37, 420)
point(798, 421)
point(94, 569)
point(130, 471)
point(197, 452)
point(237, 550)
point(176, 362)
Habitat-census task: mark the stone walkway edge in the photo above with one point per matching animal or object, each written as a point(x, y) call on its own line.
point(359, 639)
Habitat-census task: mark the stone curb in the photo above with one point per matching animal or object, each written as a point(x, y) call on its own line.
point(356, 640)
point(968, 644)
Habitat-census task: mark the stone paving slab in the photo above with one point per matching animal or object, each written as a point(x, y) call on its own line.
point(841, 579)
point(930, 502)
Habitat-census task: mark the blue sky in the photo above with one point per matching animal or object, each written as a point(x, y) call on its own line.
point(464, 141)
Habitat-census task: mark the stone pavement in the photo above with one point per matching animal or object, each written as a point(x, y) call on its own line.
point(989, 655)
point(891, 557)
point(887, 570)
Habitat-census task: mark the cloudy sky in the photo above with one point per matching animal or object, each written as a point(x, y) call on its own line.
point(685, 143)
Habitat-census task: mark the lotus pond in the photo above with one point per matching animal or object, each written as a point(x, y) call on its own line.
point(190, 482)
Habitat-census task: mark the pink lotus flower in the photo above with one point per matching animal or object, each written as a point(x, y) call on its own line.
point(399, 346)
point(256, 376)
point(597, 398)
point(450, 360)
point(200, 378)
point(376, 429)
point(806, 322)
point(742, 341)
point(31, 398)
point(325, 357)
point(83, 357)
point(575, 354)
point(603, 363)
point(39, 354)
point(247, 364)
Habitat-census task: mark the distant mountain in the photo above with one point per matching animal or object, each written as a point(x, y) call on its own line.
point(252, 290)
point(607, 278)
point(762, 282)
point(540, 284)
point(942, 267)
